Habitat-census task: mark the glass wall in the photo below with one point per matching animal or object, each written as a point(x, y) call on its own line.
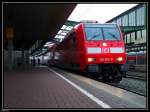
point(140, 16)
point(132, 18)
point(128, 38)
point(138, 34)
point(144, 35)
point(125, 20)
point(133, 37)
point(119, 21)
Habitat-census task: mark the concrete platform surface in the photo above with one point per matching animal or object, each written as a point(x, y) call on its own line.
point(40, 88)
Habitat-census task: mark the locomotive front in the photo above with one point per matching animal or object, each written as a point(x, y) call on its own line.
point(105, 51)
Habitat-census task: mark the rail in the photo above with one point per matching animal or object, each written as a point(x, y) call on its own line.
point(136, 75)
point(138, 68)
point(136, 72)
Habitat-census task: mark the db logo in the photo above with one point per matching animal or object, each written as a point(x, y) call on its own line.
point(105, 50)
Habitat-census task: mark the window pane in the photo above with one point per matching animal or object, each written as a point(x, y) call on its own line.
point(93, 33)
point(128, 38)
point(111, 34)
point(138, 34)
point(132, 19)
point(125, 20)
point(138, 40)
point(140, 16)
point(119, 21)
point(144, 35)
point(133, 37)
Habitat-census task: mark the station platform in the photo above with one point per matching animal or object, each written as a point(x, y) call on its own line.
point(41, 87)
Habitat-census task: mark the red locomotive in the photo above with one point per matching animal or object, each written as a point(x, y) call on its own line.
point(94, 48)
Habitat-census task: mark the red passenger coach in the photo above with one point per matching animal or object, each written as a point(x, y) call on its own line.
point(94, 48)
point(52, 54)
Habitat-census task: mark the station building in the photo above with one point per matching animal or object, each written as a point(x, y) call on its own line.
point(134, 24)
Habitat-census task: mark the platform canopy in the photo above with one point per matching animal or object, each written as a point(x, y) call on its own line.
point(34, 21)
point(66, 27)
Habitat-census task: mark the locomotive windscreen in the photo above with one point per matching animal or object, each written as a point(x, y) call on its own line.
point(102, 32)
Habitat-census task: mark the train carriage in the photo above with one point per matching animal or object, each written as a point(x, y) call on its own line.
point(136, 58)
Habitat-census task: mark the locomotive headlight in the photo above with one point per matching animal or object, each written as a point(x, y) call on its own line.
point(104, 44)
point(120, 59)
point(91, 59)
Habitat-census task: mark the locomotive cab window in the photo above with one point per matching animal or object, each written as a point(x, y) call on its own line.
point(93, 33)
point(102, 32)
point(111, 33)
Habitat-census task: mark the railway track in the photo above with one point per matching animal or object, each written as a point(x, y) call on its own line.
point(130, 84)
point(136, 72)
point(136, 75)
point(138, 68)
point(134, 84)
